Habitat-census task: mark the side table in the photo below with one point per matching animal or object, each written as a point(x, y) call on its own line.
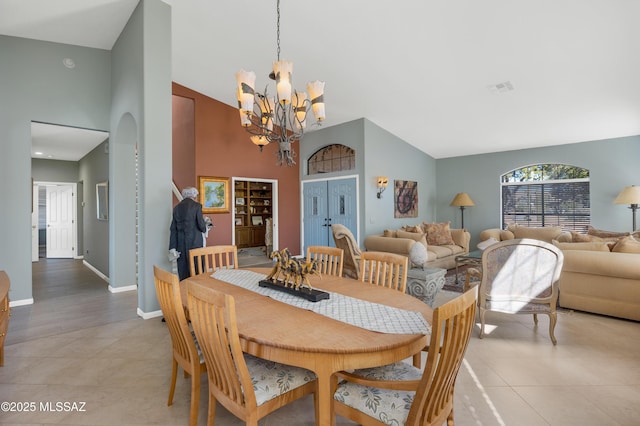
point(424, 283)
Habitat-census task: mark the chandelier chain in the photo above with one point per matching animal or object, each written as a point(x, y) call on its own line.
point(278, 28)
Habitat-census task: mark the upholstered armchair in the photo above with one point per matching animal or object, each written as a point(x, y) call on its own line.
point(345, 240)
point(520, 276)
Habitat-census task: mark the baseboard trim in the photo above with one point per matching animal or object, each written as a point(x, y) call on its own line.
point(123, 289)
point(148, 315)
point(21, 302)
point(95, 271)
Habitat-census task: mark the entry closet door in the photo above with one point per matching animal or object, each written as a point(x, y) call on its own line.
point(325, 203)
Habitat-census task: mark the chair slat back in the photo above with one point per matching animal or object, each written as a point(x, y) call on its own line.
point(206, 260)
point(170, 300)
point(213, 317)
point(384, 269)
point(450, 333)
point(329, 259)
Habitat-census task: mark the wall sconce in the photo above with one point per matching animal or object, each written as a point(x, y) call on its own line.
point(630, 195)
point(462, 200)
point(383, 181)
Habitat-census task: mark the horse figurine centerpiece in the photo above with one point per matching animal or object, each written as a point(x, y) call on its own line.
point(291, 275)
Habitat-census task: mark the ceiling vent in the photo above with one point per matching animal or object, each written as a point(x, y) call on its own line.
point(501, 87)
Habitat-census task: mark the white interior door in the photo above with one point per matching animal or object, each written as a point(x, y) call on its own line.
point(60, 221)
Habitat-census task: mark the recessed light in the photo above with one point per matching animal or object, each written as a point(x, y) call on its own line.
point(37, 153)
point(69, 63)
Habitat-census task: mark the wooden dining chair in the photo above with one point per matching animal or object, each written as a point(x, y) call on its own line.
point(211, 258)
point(402, 394)
point(247, 386)
point(329, 259)
point(184, 346)
point(5, 311)
point(344, 239)
point(384, 269)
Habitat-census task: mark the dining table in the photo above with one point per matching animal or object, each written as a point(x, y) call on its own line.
point(274, 330)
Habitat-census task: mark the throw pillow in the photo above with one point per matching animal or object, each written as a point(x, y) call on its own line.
point(627, 245)
point(577, 237)
point(592, 246)
point(486, 243)
point(390, 233)
point(439, 234)
point(605, 234)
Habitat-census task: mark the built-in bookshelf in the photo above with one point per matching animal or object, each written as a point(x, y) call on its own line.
point(253, 206)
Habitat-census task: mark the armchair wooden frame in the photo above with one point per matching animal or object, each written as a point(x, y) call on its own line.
point(520, 276)
point(210, 258)
point(185, 353)
point(329, 259)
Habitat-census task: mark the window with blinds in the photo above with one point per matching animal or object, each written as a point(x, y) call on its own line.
point(547, 195)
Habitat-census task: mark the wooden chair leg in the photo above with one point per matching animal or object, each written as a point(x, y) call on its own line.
point(553, 318)
point(174, 376)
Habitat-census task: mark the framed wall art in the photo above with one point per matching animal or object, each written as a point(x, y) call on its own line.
point(405, 194)
point(214, 194)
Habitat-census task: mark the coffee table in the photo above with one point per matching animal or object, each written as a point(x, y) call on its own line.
point(472, 258)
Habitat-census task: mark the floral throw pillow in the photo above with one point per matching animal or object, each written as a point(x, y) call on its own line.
point(439, 234)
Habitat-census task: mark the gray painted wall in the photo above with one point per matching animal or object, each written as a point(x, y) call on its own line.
point(126, 92)
point(93, 169)
point(378, 153)
point(613, 164)
point(35, 85)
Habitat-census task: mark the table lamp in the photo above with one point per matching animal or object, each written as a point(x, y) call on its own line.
point(630, 195)
point(462, 200)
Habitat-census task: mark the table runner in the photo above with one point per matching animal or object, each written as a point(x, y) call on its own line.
point(361, 313)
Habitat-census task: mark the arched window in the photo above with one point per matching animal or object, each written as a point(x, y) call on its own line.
point(332, 158)
point(547, 195)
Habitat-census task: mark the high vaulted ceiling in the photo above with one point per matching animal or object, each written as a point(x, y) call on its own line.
point(432, 72)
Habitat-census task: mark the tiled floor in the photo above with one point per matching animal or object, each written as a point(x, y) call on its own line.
point(121, 369)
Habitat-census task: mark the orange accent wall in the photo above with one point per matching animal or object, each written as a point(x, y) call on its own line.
point(223, 148)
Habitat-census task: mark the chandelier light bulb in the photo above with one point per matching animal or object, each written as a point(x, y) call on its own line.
point(246, 83)
point(282, 71)
point(316, 93)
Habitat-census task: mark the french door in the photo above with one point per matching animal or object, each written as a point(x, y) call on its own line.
point(325, 203)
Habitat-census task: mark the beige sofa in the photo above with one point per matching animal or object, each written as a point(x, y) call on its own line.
point(601, 270)
point(401, 241)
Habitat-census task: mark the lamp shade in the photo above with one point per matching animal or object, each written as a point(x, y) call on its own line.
point(462, 199)
point(629, 195)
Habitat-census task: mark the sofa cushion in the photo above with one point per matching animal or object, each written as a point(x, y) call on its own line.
point(439, 234)
point(444, 250)
point(627, 245)
point(590, 246)
point(547, 233)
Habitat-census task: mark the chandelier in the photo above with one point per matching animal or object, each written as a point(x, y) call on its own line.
point(282, 118)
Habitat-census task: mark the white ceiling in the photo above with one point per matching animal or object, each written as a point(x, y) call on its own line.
point(421, 69)
point(53, 142)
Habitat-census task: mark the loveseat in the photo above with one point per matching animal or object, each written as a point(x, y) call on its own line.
point(601, 270)
point(442, 243)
